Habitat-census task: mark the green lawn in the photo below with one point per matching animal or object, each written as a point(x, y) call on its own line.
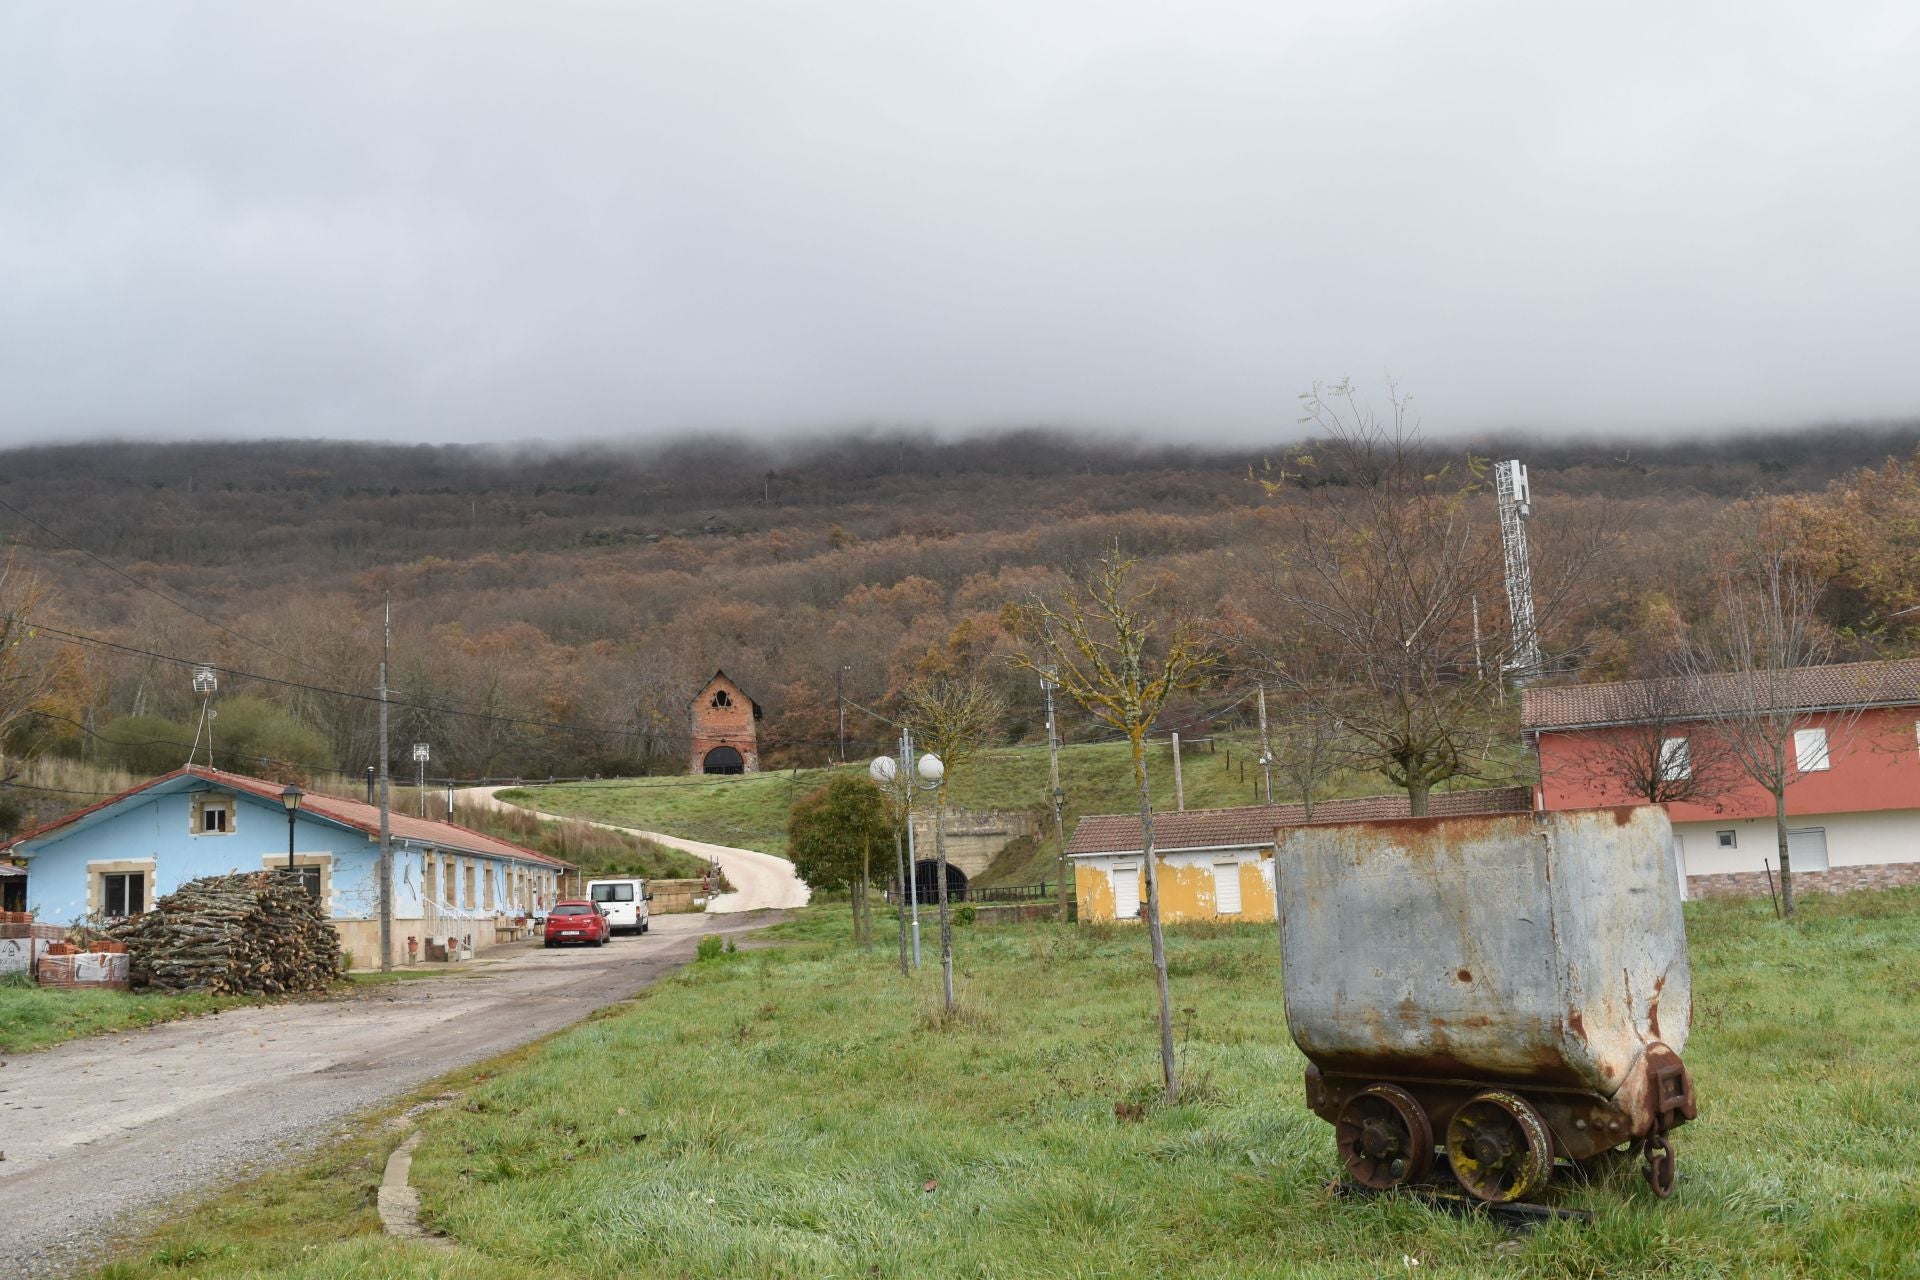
point(751, 812)
point(33, 1017)
point(804, 1111)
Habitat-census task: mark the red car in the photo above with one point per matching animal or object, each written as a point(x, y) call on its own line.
point(577, 922)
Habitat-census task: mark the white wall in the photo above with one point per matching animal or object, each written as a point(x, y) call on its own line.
point(1853, 839)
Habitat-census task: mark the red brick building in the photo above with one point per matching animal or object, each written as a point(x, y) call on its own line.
point(724, 722)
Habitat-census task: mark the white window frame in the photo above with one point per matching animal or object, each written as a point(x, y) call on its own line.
point(1811, 752)
point(1729, 839)
point(1676, 759)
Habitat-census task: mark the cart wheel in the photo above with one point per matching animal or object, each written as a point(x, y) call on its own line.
point(1499, 1148)
point(1384, 1137)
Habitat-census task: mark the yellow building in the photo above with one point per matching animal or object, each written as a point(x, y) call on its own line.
point(1217, 864)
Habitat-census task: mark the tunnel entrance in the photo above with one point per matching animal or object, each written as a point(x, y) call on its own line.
point(926, 882)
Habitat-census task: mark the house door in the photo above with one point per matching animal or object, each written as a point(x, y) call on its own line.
point(1226, 888)
point(1126, 892)
point(1680, 862)
point(1807, 848)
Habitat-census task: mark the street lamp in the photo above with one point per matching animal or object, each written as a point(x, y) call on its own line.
point(421, 753)
point(291, 798)
point(898, 776)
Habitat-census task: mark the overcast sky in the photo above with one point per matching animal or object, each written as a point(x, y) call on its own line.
point(469, 220)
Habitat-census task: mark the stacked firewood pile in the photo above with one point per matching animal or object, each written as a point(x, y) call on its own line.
point(253, 933)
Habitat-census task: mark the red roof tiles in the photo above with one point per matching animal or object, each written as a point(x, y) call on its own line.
point(350, 813)
point(1252, 826)
point(1845, 684)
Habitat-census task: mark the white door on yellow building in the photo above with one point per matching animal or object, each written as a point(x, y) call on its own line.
point(1226, 888)
point(1126, 892)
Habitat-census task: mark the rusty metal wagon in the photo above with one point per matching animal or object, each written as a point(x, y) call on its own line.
point(1510, 990)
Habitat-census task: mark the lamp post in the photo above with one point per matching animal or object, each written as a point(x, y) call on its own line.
point(291, 798)
point(897, 774)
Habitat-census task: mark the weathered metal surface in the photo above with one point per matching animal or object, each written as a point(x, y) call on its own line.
point(1542, 949)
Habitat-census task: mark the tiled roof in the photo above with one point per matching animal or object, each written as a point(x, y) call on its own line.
point(1846, 684)
point(1252, 826)
point(351, 813)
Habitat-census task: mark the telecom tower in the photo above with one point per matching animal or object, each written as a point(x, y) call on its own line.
point(1516, 504)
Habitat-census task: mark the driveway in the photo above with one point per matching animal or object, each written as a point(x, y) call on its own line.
point(761, 881)
point(98, 1134)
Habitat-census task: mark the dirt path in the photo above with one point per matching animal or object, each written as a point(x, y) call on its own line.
point(761, 881)
point(98, 1134)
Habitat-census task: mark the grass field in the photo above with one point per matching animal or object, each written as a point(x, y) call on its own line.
point(33, 1017)
point(803, 1111)
point(751, 812)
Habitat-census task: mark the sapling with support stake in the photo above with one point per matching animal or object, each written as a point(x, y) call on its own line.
point(1097, 642)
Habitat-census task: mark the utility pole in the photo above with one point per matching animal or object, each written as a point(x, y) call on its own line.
point(840, 701)
point(1058, 796)
point(386, 796)
point(1266, 752)
point(1179, 789)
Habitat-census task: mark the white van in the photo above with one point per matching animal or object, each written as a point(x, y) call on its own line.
point(622, 902)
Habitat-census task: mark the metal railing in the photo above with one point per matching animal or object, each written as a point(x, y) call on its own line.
point(1041, 892)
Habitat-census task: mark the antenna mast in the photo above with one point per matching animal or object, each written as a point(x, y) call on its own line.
point(1516, 505)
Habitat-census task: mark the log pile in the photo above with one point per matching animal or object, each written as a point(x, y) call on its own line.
point(251, 933)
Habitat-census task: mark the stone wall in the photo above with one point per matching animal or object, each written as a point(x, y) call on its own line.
point(975, 837)
point(1753, 884)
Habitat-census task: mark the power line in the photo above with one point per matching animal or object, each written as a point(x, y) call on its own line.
point(581, 727)
point(176, 603)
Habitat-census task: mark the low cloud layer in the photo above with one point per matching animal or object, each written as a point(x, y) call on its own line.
point(467, 220)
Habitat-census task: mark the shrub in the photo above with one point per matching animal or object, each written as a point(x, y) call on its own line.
point(965, 913)
point(711, 947)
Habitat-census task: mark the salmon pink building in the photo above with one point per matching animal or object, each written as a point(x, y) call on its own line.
point(1853, 804)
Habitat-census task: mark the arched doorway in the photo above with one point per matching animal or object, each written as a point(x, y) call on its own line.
point(926, 882)
point(723, 760)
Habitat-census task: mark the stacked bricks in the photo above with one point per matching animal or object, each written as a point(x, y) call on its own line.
point(23, 942)
point(102, 965)
point(1753, 884)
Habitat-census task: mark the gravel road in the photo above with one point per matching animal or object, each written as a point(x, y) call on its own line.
point(761, 881)
point(100, 1134)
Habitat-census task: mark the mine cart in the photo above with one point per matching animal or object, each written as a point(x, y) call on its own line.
point(1510, 990)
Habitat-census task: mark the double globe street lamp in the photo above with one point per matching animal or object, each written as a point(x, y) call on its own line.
point(897, 775)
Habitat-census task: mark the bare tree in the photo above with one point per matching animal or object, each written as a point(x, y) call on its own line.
point(1749, 672)
point(1375, 592)
point(1098, 643)
point(33, 670)
point(953, 719)
point(1305, 755)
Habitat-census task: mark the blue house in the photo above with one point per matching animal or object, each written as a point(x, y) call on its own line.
point(113, 859)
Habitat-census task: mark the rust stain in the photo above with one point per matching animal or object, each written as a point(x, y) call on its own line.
point(1409, 1011)
point(1622, 816)
point(1653, 1007)
point(1465, 975)
point(1576, 1023)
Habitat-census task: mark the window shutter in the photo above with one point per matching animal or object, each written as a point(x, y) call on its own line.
point(1226, 888)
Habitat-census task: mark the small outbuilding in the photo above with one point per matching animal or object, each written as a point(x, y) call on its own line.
point(111, 860)
point(1217, 864)
point(723, 722)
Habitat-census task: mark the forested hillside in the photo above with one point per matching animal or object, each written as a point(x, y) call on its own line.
point(554, 608)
